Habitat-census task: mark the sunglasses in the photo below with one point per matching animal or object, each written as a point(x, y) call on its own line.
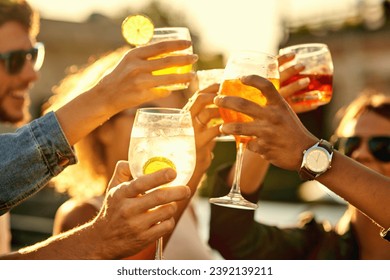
point(379, 146)
point(15, 60)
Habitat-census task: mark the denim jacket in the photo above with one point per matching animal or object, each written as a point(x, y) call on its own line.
point(30, 157)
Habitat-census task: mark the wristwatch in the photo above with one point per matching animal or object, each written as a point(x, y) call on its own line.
point(316, 160)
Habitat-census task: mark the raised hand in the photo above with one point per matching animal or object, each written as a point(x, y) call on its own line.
point(132, 219)
point(276, 127)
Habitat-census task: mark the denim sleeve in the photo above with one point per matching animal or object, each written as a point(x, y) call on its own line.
point(30, 157)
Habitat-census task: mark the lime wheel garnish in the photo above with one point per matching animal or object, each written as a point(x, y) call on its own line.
point(137, 30)
point(156, 163)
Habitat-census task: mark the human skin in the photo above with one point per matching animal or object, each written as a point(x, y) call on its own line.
point(128, 222)
point(132, 80)
point(281, 138)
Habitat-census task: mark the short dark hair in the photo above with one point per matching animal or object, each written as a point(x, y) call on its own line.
point(368, 101)
point(20, 11)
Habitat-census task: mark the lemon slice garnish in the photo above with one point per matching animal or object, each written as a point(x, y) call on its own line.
point(156, 163)
point(137, 30)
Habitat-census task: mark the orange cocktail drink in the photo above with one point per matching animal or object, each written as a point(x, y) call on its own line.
point(235, 87)
point(241, 64)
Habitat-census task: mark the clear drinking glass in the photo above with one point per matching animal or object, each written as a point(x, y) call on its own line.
point(173, 33)
point(205, 79)
point(318, 64)
point(162, 138)
point(242, 64)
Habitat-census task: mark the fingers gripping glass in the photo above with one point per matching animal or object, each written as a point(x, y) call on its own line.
point(379, 146)
point(15, 60)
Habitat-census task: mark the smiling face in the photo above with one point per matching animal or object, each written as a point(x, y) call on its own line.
point(14, 89)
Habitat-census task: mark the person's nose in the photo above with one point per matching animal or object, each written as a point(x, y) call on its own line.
point(362, 153)
point(28, 73)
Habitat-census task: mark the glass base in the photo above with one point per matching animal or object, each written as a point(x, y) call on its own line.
point(233, 201)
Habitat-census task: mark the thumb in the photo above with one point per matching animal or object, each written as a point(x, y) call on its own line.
point(121, 174)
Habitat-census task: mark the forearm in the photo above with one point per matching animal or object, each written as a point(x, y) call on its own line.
point(84, 113)
point(365, 189)
point(70, 245)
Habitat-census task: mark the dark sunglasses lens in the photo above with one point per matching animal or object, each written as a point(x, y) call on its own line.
point(349, 145)
point(380, 148)
point(16, 62)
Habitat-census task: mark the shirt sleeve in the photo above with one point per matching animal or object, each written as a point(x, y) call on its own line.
point(30, 157)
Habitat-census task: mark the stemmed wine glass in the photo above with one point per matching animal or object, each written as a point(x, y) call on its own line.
point(162, 138)
point(240, 64)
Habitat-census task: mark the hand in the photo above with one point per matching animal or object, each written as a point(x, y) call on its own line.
point(204, 135)
point(288, 89)
point(132, 219)
point(131, 82)
point(280, 136)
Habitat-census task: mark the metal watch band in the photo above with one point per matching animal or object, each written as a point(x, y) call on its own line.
point(306, 174)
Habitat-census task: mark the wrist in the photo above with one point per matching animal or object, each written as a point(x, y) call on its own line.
point(102, 102)
point(304, 145)
point(316, 160)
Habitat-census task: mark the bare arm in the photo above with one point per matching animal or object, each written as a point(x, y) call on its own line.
point(128, 222)
point(129, 84)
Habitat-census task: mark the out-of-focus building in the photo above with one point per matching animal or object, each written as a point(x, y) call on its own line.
point(71, 44)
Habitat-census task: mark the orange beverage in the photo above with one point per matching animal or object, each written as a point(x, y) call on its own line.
point(318, 92)
point(241, 64)
point(235, 87)
point(172, 70)
point(173, 33)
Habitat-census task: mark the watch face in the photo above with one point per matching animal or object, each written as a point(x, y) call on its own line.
point(317, 160)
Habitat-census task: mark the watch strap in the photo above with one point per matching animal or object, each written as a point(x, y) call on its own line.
point(326, 145)
point(306, 175)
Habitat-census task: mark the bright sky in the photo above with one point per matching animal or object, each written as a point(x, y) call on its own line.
point(225, 25)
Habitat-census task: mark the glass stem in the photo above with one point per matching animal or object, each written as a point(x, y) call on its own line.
point(159, 249)
point(237, 172)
